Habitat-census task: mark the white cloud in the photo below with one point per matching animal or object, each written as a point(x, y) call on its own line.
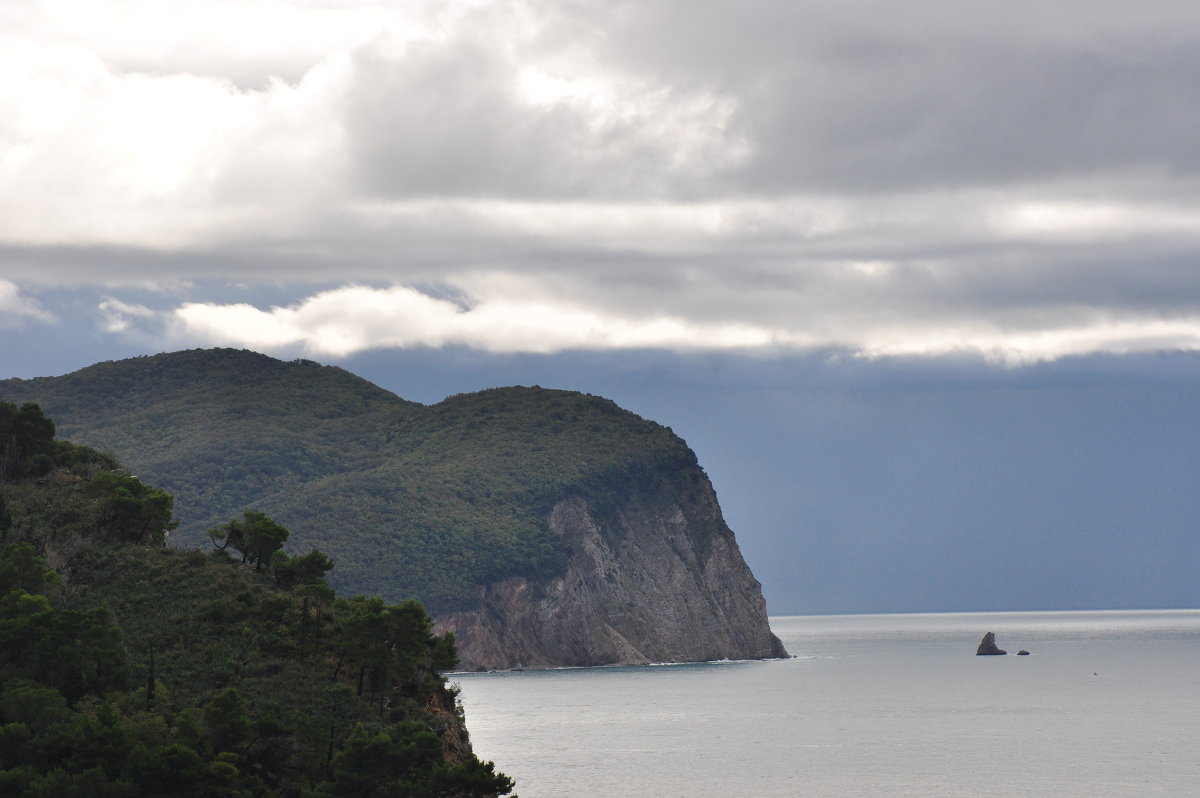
point(1082, 219)
point(117, 316)
point(352, 319)
point(90, 155)
point(16, 309)
point(116, 130)
point(347, 320)
point(1023, 346)
point(247, 43)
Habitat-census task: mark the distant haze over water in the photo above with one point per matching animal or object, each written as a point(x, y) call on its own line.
point(1106, 705)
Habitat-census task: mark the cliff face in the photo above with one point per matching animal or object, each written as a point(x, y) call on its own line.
point(660, 580)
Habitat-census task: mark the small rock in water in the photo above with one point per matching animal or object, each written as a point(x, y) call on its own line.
point(988, 646)
point(1022, 653)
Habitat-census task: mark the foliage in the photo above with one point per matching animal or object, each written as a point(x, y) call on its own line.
point(27, 445)
point(26, 441)
point(412, 501)
point(307, 570)
point(258, 538)
point(402, 760)
point(132, 669)
point(60, 495)
point(131, 511)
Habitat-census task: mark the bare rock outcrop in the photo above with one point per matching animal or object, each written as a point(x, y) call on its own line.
point(988, 647)
point(661, 579)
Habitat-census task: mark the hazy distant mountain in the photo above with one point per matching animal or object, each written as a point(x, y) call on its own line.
point(545, 527)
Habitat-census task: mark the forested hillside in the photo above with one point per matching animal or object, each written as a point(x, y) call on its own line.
point(128, 668)
point(410, 500)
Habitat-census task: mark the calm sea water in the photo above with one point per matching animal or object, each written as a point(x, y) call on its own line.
point(1108, 704)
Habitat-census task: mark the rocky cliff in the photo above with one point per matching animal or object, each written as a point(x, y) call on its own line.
point(641, 586)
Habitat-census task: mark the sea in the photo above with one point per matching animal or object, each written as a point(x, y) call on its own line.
point(1106, 704)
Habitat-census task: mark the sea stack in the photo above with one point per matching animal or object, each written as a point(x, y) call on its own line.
point(988, 647)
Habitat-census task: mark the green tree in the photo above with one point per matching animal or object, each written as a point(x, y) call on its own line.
point(35, 706)
point(22, 569)
point(411, 641)
point(386, 763)
point(256, 536)
point(226, 722)
point(390, 650)
point(362, 640)
point(131, 511)
point(5, 517)
point(317, 596)
point(444, 653)
point(26, 441)
point(405, 760)
point(308, 569)
point(78, 652)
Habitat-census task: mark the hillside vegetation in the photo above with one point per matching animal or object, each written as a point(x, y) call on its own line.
point(410, 500)
point(128, 668)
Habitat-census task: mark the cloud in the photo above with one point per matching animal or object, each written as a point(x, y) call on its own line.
point(110, 137)
point(119, 317)
point(352, 319)
point(92, 155)
point(869, 96)
point(1023, 346)
point(16, 309)
point(248, 44)
point(524, 99)
point(933, 177)
point(469, 121)
point(505, 319)
point(232, 123)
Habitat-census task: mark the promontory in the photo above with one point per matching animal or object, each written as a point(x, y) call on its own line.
point(543, 527)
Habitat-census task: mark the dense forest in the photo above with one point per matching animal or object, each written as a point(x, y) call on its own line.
point(129, 668)
point(411, 501)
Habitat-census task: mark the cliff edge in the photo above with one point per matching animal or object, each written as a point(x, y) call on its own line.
point(645, 591)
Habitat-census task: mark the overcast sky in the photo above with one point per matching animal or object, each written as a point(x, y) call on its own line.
point(902, 253)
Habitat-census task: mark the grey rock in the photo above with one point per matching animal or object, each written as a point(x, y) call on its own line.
point(661, 580)
point(1022, 653)
point(988, 646)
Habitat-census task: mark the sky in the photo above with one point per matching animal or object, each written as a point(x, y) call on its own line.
point(918, 281)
